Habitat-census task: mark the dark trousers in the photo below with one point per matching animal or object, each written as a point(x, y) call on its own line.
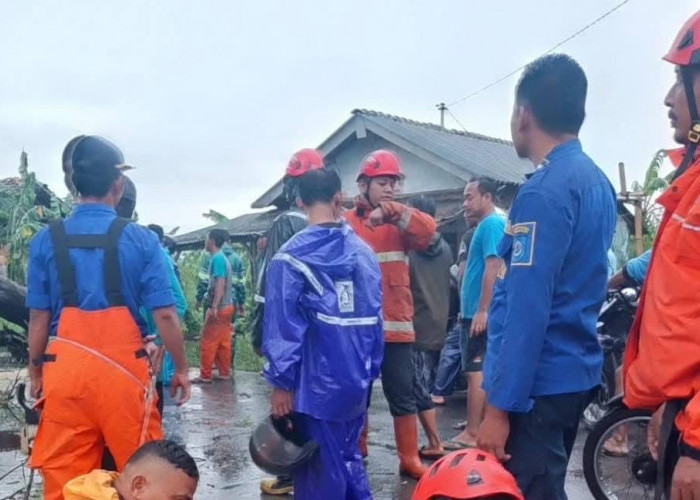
point(404, 395)
point(450, 364)
point(541, 441)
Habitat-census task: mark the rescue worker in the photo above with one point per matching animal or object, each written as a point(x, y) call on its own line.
point(158, 469)
point(88, 276)
point(392, 229)
point(286, 225)
point(543, 362)
point(215, 344)
point(323, 339)
point(662, 360)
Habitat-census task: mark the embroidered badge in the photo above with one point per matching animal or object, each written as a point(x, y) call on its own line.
point(523, 244)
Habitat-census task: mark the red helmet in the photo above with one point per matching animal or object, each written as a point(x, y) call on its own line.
point(467, 474)
point(686, 47)
point(380, 163)
point(304, 161)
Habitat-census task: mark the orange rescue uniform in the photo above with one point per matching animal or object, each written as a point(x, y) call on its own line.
point(662, 361)
point(406, 229)
point(97, 383)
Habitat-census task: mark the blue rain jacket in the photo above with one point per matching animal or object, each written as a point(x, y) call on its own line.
point(322, 332)
point(542, 323)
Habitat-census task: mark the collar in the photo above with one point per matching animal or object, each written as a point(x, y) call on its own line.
point(93, 209)
point(571, 146)
point(671, 198)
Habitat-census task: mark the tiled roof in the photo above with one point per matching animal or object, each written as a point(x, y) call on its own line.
point(476, 154)
point(239, 227)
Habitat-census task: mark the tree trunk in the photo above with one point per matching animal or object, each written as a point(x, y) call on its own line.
point(12, 298)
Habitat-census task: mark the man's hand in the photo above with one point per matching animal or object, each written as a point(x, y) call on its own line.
point(36, 382)
point(282, 403)
point(618, 281)
point(182, 381)
point(654, 432)
point(375, 217)
point(686, 480)
point(479, 324)
point(493, 433)
point(210, 316)
point(152, 350)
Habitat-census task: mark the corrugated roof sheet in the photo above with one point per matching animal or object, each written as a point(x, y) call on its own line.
point(239, 227)
point(477, 154)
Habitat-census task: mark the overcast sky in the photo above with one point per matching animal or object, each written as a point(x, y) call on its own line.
point(209, 99)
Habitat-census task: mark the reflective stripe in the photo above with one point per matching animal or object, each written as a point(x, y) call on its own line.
point(405, 219)
point(399, 326)
point(685, 225)
point(392, 257)
point(302, 268)
point(335, 320)
point(259, 299)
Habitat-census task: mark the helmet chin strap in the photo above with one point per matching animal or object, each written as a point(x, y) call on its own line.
point(366, 193)
point(694, 132)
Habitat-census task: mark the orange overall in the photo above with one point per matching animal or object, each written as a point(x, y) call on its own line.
point(97, 382)
point(215, 346)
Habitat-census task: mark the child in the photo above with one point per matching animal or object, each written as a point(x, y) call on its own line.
point(323, 339)
point(159, 469)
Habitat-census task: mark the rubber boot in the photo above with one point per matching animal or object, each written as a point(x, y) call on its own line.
point(362, 444)
point(406, 435)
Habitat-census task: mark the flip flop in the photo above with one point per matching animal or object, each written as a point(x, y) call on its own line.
point(460, 426)
point(430, 454)
point(200, 380)
point(453, 445)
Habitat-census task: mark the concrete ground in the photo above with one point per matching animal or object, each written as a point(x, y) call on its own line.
point(217, 422)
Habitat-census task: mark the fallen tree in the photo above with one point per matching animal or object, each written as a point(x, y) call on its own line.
point(12, 298)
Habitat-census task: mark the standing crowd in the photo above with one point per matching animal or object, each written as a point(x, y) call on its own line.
point(349, 296)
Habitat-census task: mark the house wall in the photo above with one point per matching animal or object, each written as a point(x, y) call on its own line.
point(420, 175)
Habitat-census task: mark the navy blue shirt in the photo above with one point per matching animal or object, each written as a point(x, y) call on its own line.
point(145, 278)
point(542, 324)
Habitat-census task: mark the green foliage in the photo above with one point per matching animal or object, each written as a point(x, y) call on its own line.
point(653, 184)
point(215, 217)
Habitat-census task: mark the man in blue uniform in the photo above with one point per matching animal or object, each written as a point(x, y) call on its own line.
point(543, 361)
point(323, 339)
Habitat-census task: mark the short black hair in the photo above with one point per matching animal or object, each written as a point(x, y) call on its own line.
point(220, 236)
point(169, 451)
point(169, 243)
point(319, 186)
point(424, 203)
point(554, 87)
point(486, 186)
point(158, 230)
point(93, 184)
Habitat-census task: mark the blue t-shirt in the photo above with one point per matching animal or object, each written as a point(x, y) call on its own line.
point(145, 280)
point(484, 244)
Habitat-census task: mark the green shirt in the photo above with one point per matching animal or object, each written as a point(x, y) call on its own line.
point(220, 268)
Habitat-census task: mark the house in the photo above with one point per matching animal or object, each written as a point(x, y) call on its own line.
point(438, 162)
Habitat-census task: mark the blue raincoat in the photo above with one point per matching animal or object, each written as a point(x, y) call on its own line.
point(323, 340)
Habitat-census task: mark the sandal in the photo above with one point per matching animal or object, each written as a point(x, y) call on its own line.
point(453, 445)
point(429, 453)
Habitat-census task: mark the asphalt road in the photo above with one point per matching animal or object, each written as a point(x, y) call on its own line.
point(217, 422)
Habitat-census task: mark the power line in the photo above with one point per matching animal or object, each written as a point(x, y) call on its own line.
point(456, 119)
point(574, 35)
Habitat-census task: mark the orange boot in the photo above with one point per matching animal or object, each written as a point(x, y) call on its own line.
point(364, 451)
point(406, 435)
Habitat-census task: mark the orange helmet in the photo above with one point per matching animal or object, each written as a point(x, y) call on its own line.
point(304, 161)
point(467, 474)
point(380, 163)
point(685, 52)
point(686, 47)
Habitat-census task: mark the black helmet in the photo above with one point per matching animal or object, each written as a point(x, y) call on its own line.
point(127, 204)
point(278, 448)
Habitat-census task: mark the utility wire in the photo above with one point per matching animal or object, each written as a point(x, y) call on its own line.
point(505, 77)
point(456, 119)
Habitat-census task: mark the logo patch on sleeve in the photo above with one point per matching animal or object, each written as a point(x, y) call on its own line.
point(523, 244)
point(346, 296)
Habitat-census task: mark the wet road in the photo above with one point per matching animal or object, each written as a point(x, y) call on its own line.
point(217, 422)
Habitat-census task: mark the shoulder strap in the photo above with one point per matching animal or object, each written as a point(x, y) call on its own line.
point(66, 273)
point(112, 267)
